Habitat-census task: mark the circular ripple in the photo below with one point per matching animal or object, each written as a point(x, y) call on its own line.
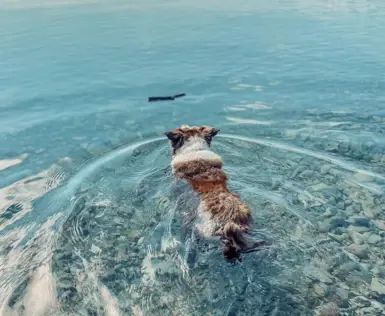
point(129, 243)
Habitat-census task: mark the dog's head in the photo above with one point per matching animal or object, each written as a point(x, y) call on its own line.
point(194, 137)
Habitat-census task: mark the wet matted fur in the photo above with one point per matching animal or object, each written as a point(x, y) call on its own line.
point(221, 213)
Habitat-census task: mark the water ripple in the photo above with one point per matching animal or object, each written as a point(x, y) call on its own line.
point(338, 162)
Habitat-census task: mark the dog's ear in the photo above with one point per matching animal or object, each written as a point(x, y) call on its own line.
point(214, 131)
point(173, 135)
point(209, 133)
point(176, 139)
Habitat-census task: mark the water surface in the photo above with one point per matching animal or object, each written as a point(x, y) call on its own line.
point(91, 220)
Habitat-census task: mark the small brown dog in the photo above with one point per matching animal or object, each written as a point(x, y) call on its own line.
point(221, 213)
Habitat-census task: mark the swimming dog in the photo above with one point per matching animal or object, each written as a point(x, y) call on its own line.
point(221, 213)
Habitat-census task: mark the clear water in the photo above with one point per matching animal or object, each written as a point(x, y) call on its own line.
point(91, 221)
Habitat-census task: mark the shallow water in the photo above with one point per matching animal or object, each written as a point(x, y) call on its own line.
point(91, 220)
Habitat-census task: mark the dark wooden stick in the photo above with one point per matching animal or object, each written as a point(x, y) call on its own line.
point(166, 98)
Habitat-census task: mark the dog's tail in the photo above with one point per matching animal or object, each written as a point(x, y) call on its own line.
point(236, 241)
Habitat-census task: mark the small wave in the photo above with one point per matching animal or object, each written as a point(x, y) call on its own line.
point(243, 86)
point(25, 191)
point(92, 167)
point(338, 162)
point(247, 121)
point(322, 124)
point(253, 106)
point(236, 109)
point(257, 106)
point(7, 163)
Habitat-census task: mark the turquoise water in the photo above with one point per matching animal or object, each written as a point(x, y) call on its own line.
point(91, 220)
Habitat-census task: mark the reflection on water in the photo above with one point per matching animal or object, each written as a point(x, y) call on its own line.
point(91, 220)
